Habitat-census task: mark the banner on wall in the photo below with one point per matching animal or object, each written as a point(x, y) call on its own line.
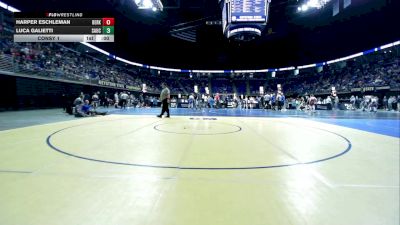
point(116, 85)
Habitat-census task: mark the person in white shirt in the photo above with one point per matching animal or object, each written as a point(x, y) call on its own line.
point(246, 102)
point(95, 100)
point(267, 100)
point(329, 101)
point(312, 101)
point(374, 104)
point(116, 99)
point(124, 100)
point(353, 102)
point(191, 101)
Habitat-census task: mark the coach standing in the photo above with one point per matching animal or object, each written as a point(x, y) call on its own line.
point(164, 98)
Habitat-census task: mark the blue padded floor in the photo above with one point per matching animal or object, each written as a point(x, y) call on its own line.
point(386, 123)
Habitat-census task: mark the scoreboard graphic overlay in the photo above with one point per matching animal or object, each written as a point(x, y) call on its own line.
point(63, 27)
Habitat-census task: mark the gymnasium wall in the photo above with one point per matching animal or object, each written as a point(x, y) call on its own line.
point(18, 93)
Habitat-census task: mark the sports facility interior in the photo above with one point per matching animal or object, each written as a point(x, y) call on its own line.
point(181, 112)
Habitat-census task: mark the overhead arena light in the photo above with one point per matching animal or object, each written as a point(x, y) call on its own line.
point(149, 4)
point(316, 4)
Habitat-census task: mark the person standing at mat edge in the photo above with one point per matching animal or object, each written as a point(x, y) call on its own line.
point(164, 98)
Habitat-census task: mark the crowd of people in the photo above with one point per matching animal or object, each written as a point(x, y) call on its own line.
point(368, 71)
point(86, 105)
point(62, 62)
point(58, 61)
point(118, 100)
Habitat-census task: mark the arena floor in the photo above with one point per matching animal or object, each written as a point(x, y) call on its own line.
point(200, 167)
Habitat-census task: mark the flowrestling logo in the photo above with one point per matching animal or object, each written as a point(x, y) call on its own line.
point(64, 15)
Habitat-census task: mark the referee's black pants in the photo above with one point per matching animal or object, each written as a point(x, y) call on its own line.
point(165, 107)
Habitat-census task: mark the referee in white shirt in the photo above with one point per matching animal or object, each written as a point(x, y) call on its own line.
point(164, 98)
